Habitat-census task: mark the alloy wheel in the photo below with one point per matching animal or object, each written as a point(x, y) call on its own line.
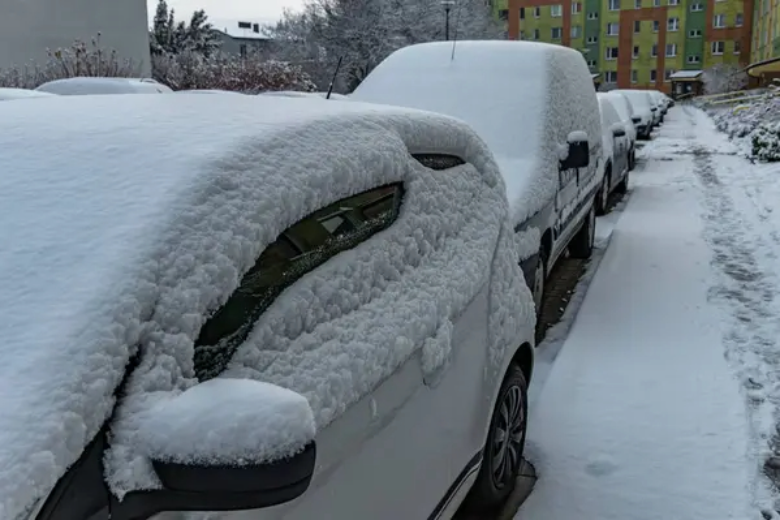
point(507, 449)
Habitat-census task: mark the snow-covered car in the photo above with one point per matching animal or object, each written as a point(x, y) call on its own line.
point(208, 91)
point(535, 106)
point(644, 109)
point(7, 94)
point(659, 103)
point(626, 113)
point(81, 86)
point(616, 152)
point(295, 93)
point(176, 339)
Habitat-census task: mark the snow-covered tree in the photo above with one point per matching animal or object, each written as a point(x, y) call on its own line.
point(364, 32)
point(722, 78)
point(171, 37)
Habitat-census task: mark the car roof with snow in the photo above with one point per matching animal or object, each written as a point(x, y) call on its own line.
point(157, 199)
point(7, 94)
point(79, 86)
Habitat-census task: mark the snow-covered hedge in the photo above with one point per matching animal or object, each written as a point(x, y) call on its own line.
point(754, 124)
point(186, 70)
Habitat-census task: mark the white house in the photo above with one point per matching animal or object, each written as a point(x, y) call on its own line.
point(29, 27)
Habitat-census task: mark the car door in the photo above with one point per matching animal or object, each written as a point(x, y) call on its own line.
point(566, 201)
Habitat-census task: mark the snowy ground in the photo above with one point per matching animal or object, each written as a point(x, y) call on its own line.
point(662, 401)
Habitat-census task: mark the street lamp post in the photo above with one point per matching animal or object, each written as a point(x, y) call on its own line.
point(447, 8)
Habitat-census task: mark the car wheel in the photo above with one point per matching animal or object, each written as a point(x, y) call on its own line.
point(581, 245)
point(622, 188)
point(602, 204)
point(631, 159)
point(503, 453)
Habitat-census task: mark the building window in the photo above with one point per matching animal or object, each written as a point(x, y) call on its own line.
point(503, 14)
point(694, 59)
point(556, 10)
point(637, 4)
point(694, 33)
point(522, 35)
point(592, 64)
point(634, 76)
point(656, 3)
point(555, 33)
point(637, 26)
point(610, 76)
point(537, 12)
point(656, 25)
point(737, 46)
point(697, 7)
point(576, 7)
point(536, 34)
point(635, 53)
point(593, 39)
point(242, 50)
point(673, 24)
point(576, 31)
point(671, 50)
point(718, 47)
point(719, 21)
point(674, 2)
point(611, 53)
point(653, 76)
point(738, 20)
point(522, 13)
point(668, 74)
point(612, 29)
point(654, 50)
point(614, 5)
point(593, 15)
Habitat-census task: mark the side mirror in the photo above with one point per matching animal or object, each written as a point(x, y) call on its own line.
point(618, 130)
point(636, 120)
point(225, 445)
point(654, 109)
point(579, 151)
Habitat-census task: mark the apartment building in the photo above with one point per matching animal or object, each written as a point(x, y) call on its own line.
point(765, 48)
point(638, 43)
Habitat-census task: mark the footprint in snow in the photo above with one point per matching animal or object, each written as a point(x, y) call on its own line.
point(600, 468)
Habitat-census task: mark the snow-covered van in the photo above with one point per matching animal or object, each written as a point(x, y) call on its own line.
point(535, 106)
point(644, 110)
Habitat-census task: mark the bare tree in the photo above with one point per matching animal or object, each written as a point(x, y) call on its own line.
point(723, 77)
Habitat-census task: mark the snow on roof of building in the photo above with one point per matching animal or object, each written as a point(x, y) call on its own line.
point(686, 74)
point(134, 224)
point(244, 28)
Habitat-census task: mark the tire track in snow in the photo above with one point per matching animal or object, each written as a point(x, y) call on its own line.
point(749, 292)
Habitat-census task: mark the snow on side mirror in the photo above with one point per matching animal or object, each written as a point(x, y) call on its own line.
point(225, 445)
point(579, 151)
point(618, 130)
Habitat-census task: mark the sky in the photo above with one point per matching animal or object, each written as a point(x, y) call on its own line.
point(249, 10)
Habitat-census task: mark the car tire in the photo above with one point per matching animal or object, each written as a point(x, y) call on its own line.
point(581, 245)
point(631, 159)
point(503, 452)
point(622, 188)
point(602, 202)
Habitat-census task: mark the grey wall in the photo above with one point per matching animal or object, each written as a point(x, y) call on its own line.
point(29, 27)
point(231, 45)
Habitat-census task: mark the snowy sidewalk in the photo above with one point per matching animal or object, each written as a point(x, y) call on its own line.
point(641, 416)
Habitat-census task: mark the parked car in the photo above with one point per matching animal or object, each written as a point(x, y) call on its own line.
point(616, 153)
point(626, 113)
point(175, 337)
point(659, 103)
point(643, 108)
point(534, 105)
point(7, 94)
point(80, 86)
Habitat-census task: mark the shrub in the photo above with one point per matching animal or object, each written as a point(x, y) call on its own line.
point(765, 142)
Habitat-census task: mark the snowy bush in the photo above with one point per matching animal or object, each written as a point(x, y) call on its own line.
point(80, 59)
point(722, 78)
point(191, 70)
point(765, 142)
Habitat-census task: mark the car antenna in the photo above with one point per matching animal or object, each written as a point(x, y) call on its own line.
point(333, 79)
point(455, 35)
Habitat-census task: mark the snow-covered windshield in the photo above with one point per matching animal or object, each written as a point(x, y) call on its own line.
point(639, 99)
point(498, 97)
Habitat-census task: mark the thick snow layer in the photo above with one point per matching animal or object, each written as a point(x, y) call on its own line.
point(126, 237)
point(609, 119)
point(228, 421)
point(640, 102)
point(521, 97)
point(643, 419)
point(295, 93)
point(7, 94)
point(92, 85)
point(625, 111)
point(208, 91)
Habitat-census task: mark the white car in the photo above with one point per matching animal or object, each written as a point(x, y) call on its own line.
point(255, 302)
point(644, 109)
point(81, 86)
point(616, 152)
point(295, 93)
point(8, 94)
point(626, 113)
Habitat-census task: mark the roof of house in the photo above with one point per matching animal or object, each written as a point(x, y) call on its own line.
point(686, 74)
point(238, 28)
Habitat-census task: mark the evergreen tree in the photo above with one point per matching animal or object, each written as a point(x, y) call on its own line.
point(170, 37)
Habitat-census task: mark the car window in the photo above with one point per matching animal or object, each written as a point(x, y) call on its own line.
point(301, 248)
